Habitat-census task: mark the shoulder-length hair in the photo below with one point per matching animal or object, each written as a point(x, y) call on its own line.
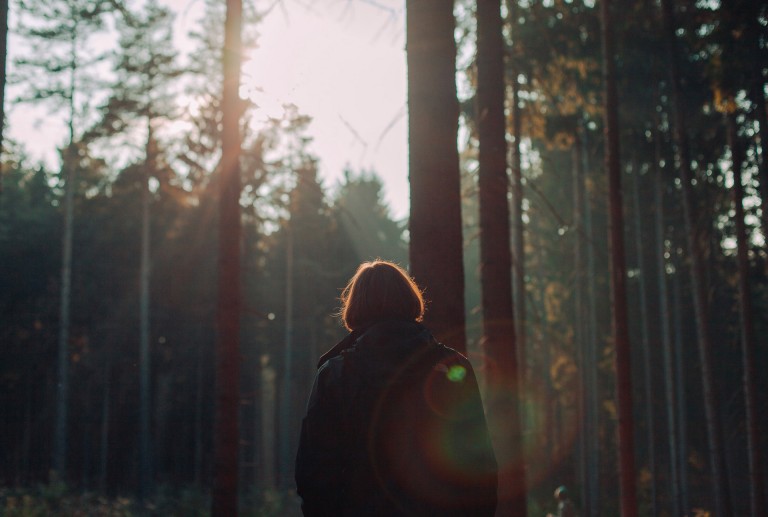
point(380, 290)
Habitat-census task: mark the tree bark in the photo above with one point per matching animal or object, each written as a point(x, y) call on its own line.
point(592, 409)
point(666, 331)
point(680, 369)
point(650, 422)
point(754, 456)
point(518, 237)
point(758, 97)
point(3, 59)
point(226, 437)
point(286, 395)
point(720, 488)
point(436, 254)
point(619, 320)
point(145, 367)
point(502, 368)
point(579, 323)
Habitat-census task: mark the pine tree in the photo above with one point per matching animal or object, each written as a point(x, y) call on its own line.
point(717, 463)
point(619, 319)
point(141, 100)
point(57, 32)
point(226, 433)
point(499, 341)
point(436, 260)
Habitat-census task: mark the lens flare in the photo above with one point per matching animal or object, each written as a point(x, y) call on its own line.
point(456, 373)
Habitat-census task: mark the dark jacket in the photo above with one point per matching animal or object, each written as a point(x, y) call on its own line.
point(395, 426)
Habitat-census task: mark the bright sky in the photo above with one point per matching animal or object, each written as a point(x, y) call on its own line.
point(342, 62)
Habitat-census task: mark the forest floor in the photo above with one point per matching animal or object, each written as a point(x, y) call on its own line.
point(56, 499)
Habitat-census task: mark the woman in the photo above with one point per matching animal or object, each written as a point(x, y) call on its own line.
point(394, 423)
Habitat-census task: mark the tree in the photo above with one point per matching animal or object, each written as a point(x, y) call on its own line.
point(365, 219)
point(518, 238)
point(436, 260)
point(746, 321)
point(142, 96)
point(57, 37)
point(645, 341)
point(499, 342)
point(3, 58)
point(700, 301)
point(670, 401)
point(619, 320)
point(226, 436)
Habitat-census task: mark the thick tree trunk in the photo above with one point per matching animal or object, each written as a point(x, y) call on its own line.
point(503, 394)
point(754, 457)
point(226, 437)
point(436, 254)
point(717, 463)
point(619, 320)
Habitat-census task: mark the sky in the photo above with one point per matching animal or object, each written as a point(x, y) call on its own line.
point(342, 62)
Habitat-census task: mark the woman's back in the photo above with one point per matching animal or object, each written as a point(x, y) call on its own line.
point(410, 436)
point(394, 424)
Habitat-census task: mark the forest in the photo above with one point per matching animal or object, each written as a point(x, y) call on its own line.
point(588, 188)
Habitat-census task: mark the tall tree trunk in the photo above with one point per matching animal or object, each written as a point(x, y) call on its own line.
point(69, 170)
point(619, 320)
point(680, 370)
point(286, 395)
point(268, 438)
point(714, 428)
point(518, 247)
point(495, 262)
point(104, 428)
point(435, 226)
point(3, 59)
point(758, 97)
point(579, 324)
point(666, 331)
point(226, 437)
point(145, 367)
point(754, 457)
point(62, 387)
point(650, 422)
point(198, 454)
point(592, 409)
